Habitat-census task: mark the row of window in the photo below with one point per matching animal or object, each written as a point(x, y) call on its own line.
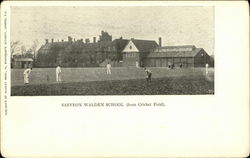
point(111, 48)
point(130, 54)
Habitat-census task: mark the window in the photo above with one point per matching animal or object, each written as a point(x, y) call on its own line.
point(130, 54)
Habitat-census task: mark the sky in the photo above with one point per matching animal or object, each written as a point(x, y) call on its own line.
point(175, 25)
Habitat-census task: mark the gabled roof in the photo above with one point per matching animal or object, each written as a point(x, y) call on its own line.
point(188, 53)
point(56, 46)
point(120, 43)
point(49, 46)
point(180, 46)
point(173, 54)
point(116, 45)
point(144, 45)
point(174, 48)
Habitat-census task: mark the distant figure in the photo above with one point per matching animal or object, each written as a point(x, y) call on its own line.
point(206, 68)
point(137, 64)
point(172, 66)
point(26, 75)
point(108, 69)
point(47, 78)
point(180, 65)
point(58, 74)
point(149, 74)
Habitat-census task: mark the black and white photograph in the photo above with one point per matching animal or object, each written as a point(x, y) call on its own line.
point(124, 79)
point(109, 50)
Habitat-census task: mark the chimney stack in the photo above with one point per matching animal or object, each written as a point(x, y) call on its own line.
point(69, 39)
point(52, 40)
point(94, 39)
point(160, 41)
point(86, 40)
point(46, 41)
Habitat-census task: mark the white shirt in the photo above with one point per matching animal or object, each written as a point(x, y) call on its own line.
point(58, 69)
point(108, 66)
point(27, 71)
point(148, 71)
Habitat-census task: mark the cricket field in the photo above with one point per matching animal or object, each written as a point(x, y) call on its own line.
point(122, 81)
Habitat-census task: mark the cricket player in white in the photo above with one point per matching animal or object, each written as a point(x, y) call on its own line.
point(206, 68)
point(149, 74)
point(26, 75)
point(58, 74)
point(108, 69)
point(137, 64)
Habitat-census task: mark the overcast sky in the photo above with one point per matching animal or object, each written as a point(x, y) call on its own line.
point(176, 25)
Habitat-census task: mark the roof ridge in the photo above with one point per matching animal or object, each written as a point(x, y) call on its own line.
point(177, 46)
point(143, 40)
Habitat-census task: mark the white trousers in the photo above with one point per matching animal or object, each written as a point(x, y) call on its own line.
point(26, 78)
point(58, 77)
point(108, 71)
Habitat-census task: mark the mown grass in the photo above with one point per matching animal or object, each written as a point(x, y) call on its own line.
point(174, 85)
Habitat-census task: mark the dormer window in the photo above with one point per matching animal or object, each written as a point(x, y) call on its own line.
point(130, 47)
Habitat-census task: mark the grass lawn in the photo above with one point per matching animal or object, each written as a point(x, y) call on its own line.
point(176, 84)
point(48, 76)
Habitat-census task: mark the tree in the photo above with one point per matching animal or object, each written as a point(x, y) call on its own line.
point(33, 48)
point(29, 54)
point(18, 50)
point(23, 50)
point(13, 47)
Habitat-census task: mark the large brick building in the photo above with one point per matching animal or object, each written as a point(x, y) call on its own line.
point(119, 52)
point(78, 53)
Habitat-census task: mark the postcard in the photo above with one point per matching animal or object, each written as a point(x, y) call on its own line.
point(124, 79)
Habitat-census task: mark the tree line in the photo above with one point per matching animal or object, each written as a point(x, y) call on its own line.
point(19, 50)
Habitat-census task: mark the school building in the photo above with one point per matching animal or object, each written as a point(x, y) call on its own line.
point(136, 51)
point(118, 52)
point(146, 53)
point(184, 56)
